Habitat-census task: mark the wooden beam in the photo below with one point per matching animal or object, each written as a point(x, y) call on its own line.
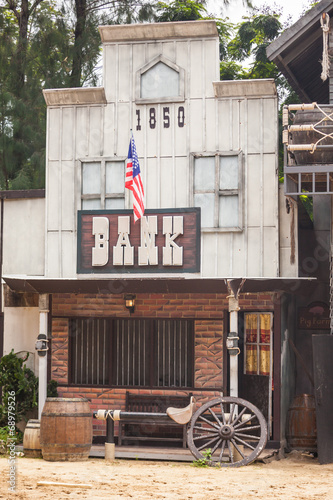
point(292, 80)
point(65, 485)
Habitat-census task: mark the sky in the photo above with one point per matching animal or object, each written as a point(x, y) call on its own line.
point(236, 10)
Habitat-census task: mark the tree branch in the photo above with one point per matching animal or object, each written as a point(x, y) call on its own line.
point(97, 5)
point(34, 6)
point(12, 6)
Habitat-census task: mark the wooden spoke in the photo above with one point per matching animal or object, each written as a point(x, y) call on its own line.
point(231, 413)
point(252, 428)
point(208, 422)
point(208, 443)
point(244, 422)
point(237, 448)
point(223, 415)
point(214, 416)
point(216, 446)
point(227, 426)
point(239, 416)
point(204, 436)
point(244, 443)
point(247, 436)
point(231, 454)
point(222, 450)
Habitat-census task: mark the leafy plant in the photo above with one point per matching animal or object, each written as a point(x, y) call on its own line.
point(206, 460)
point(7, 437)
point(16, 379)
point(52, 391)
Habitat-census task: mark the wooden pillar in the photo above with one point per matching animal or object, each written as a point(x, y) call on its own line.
point(234, 288)
point(41, 347)
point(233, 358)
point(330, 53)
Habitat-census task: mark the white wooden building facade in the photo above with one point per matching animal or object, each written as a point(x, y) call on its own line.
point(202, 143)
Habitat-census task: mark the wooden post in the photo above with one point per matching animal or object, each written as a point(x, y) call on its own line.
point(109, 445)
point(233, 358)
point(42, 366)
point(330, 80)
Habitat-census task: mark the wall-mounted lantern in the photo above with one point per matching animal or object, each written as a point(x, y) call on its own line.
point(130, 302)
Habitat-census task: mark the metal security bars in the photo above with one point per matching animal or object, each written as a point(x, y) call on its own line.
point(172, 351)
point(89, 345)
point(132, 352)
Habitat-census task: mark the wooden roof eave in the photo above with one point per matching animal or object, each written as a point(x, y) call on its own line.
point(291, 35)
point(286, 71)
point(158, 285)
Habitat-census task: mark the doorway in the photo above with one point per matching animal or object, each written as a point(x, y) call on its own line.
point(255, 364)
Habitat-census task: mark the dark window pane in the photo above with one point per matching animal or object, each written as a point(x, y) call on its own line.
point(89, 339)
point(131, 352)
point(137, 353)
point(173, 353)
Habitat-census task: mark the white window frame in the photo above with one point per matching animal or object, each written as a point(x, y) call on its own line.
point(144, 69)
point(258, 344)
point(102, 195)
point(220, 192)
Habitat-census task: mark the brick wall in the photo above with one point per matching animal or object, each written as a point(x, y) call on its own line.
point(208, 311)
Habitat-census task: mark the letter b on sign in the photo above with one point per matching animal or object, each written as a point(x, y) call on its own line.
point(100, 252)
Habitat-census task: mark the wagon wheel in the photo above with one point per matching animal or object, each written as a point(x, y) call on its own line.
point(232, 431)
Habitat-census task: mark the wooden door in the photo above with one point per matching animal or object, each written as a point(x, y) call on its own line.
point(256, 362)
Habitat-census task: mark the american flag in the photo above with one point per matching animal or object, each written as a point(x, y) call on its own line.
point(133, 180)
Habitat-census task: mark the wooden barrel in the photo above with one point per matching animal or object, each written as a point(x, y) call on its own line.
point(66, 429)
point(31, 440)
point(308, 117)
point(301, 427)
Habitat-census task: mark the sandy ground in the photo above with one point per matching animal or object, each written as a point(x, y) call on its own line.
point(297, 476)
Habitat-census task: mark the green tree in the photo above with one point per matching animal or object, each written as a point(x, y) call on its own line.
point(180, 10)
point(86, 16)
point(32, 40)
point(249, 44)
point(46, 45)
point(57, 44)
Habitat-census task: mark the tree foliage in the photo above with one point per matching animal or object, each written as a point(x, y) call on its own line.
point(180, 10)
point(18, 382)
point(56, 44)
point(34, 42)
point(251, 39)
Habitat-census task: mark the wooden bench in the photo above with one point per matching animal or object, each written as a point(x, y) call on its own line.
point(149, 403)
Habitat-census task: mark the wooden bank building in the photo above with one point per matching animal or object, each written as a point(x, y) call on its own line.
point(147, 307)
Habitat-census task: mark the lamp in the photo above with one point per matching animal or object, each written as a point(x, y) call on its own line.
point(130, 302)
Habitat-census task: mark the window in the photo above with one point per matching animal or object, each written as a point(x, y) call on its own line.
point(102, 185)
point(132, 353)
point(258, 344)
point(89, 342)
point(160, 80)
point(217, 190)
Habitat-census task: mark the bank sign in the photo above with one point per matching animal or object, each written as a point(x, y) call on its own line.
point(166, 241)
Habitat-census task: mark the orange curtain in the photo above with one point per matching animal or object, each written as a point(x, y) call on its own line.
point(251, 334)
point(265, 338)
point(255, 344)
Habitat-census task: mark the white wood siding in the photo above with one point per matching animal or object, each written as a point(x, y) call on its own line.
point(246, 123)
point(24, 237)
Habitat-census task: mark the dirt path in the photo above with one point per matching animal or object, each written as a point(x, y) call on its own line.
point(295, 477)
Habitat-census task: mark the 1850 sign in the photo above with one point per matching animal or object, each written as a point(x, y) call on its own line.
point(162, 241)
point(152, 117)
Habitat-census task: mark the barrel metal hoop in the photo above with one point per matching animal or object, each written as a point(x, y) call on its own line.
point(65, 445)
point(66, 415)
